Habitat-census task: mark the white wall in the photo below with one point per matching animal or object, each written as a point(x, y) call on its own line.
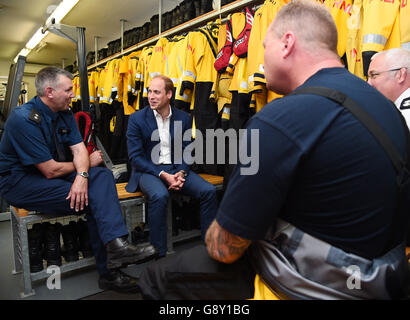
point(30, 71)
point(4, 68)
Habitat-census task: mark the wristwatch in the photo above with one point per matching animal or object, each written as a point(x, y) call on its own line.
point(84, 174)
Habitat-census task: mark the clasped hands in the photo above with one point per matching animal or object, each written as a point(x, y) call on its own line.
point(175, 181)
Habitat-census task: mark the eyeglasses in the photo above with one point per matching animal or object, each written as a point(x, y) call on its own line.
point(374, 74)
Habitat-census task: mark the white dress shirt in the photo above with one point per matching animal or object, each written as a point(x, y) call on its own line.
point(164, 137)
point(404, 112)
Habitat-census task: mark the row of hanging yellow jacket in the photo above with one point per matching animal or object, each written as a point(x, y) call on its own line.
point(369, 26)
point(364, 27)
point(187, 60)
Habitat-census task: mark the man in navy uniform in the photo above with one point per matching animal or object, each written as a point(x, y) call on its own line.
point(36, 174)
point(157, 176)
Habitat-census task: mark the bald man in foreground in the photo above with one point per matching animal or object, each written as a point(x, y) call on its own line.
point(321, 218)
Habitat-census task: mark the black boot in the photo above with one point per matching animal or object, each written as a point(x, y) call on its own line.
point(197, 6)
point(174, 18)
point(150, 31)
point(137, 34)
point(145, 30)
point(179, 14)
point(35, 248)
point(127, 39)
point(168, 20)
point(154, 25)
point(117, 45)
point(52, 244)
point(118, 281)
point(189, 10)
point(84, 239)
point(206, 6)
point(120, 253)
point(70, 247)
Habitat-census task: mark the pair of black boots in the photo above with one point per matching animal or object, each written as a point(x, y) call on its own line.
point(202, 7)
point(102, 54)
point(114, 47)
point(132, 37)
point(185, 11)
point(90, 58)
point(44, 243)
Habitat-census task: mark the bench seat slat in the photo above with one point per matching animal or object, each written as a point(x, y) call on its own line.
point(124, 194)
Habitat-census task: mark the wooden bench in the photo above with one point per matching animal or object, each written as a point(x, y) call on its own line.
point(129, 202)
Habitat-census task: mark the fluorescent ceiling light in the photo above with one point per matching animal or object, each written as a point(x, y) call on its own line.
point(35, 40)
point(58, 14)
point(23, 52)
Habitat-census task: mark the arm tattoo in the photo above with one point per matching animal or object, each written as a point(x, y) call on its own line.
point(224, 246)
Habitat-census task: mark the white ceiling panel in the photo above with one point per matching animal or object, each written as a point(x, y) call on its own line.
point(19, 19)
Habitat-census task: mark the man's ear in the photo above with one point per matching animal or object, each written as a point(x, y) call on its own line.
point(288, 43)
point(48, 92)
point(402, 75)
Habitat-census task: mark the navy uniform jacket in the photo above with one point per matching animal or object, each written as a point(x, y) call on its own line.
point(27, 138)
point(141, 125)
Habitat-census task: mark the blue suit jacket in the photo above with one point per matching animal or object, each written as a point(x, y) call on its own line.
point(141, 125)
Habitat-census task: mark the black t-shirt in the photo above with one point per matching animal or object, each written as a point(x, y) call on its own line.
point(319, 169)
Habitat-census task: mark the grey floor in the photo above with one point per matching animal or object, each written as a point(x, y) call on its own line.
point(79, 284)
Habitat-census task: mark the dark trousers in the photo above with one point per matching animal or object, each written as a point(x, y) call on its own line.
point(104, 217)
point(194, 275)
point(157, 192)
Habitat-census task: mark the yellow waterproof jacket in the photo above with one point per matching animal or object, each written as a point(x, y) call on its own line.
point(353, 44)
point(141, 76)
point(76, 88)
point(255, 68)
point(175, 70)
point(122, 75)
point(93, 81)
point(378, 21)
point(157, 62)
point(108, 81)
point(126, 82)
point(171, 66)
point(394, 40)
point(200, 57)
point(341, 10)
point(405, 24)
point(261, 21)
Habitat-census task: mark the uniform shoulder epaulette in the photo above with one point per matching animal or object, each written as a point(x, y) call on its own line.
point(405, 104)
point(35, 116)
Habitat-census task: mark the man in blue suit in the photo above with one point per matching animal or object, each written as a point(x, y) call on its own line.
point(156, 173)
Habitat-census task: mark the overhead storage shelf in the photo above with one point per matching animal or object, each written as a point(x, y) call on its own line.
point(189, 25)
